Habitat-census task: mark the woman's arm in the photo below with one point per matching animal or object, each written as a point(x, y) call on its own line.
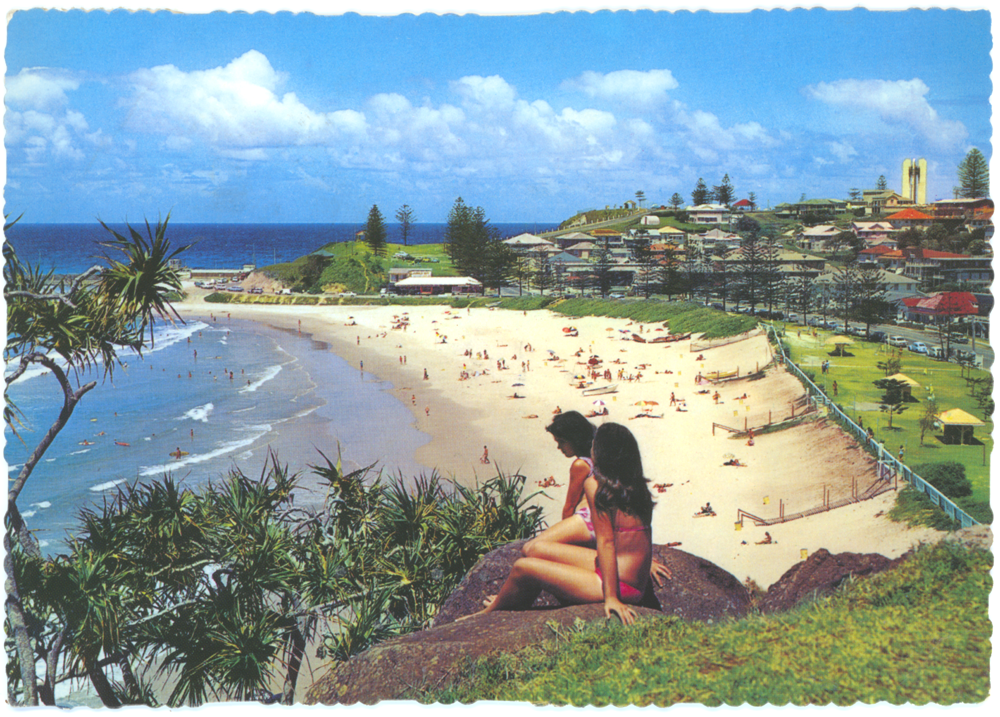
point(578, 473)
point(607, 560)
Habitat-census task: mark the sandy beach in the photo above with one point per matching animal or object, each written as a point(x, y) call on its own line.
point(791, 469)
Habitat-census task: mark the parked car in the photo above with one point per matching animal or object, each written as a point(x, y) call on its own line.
point(936, 352)
point(918, 347)
point(897, 341)
point(347, 293)
point(959, 339)
point(961, 355)
point(877, 336)
point(617, 296)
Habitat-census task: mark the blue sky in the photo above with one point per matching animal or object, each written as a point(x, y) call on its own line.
point(300, 118)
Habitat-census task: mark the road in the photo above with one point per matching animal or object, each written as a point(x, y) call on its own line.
point(931, 339)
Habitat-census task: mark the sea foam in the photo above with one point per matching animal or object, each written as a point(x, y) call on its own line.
point(229, 447)
point(269, 373)
point(199, 413)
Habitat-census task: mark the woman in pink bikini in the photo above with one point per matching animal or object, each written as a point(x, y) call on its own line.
point(618, 570)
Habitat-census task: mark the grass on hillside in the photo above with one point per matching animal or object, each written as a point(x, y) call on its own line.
point(919, 633)
point(858, 397)
point(353, 266)
point(682, 317)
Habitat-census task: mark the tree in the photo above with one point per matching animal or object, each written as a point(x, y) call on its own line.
point(871, 305)
point(751, 267)
point(406, 218)
point(974, 175)
point(882, 185)
point(893, 398)
point(700, 195)
point(602, 269)
point(670, 278)
point(928, 419)
point(854, 194)
point(845, 287)
point(375, 231)
point(676, 201)
point(640, 197)
point(752, 198)
point(892, 365)
point(911, 236)
point(850, 240)
point(643, 255)
point(799, 294)
point(69, 329)
point(467, 238)
point(500, 264)
point(724, 193)
point(543, 274)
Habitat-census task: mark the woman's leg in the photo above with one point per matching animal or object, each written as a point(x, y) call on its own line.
point(575, 555)
point(571, 530)
point(530, 576)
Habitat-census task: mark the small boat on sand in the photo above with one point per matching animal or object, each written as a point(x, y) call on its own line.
point(600, 390)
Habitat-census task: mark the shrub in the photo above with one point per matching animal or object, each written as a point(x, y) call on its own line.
point(949, 478)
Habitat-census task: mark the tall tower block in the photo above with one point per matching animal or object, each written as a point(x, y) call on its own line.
point(915, 180)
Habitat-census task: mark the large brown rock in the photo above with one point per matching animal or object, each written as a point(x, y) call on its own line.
point(697, 590)
point(402, 668)
point(818, 575)
point(398, 669)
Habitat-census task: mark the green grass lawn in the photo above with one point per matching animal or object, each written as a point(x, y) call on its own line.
point(919, 633)
point(858, 397)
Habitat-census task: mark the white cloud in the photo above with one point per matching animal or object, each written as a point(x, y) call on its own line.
point(36, 119)
point(39, 88)
point(631, 87)
point(842, 151)
point(235, 108)
point(897, 103)
point(42, 134)
point(491, 91)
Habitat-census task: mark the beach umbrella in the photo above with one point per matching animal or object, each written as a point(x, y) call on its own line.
point(579, 375)
point(598, 402)
point(646, 403)
point(609, 329)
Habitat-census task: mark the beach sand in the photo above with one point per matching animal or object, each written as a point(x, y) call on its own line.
point(793, 468)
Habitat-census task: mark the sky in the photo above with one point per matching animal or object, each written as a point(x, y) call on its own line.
point(237, 117)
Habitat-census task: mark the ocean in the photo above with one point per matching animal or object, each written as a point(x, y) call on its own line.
point(207, 396)
point(72, 248)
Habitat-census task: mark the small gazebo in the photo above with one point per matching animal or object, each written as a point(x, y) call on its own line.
point(958, 426)
point(839, 342)
point(908, 385)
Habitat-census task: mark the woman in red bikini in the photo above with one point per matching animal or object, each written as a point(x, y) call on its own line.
point(618, 571)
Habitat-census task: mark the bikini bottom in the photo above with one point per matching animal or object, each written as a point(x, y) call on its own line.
point(628, 593)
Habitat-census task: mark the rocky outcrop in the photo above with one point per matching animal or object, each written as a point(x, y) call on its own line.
point(698, 590)
point(402, 668)
point(399, 669)
point(818, 575)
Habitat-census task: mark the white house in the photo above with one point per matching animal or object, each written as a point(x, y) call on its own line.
point(708, 214)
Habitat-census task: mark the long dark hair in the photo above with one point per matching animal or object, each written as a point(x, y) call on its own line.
point(576, 430)
point(618, 465)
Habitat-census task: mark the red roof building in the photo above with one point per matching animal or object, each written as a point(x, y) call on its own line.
point(909, 218)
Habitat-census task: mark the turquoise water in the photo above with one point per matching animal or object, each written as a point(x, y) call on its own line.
point(250, 387)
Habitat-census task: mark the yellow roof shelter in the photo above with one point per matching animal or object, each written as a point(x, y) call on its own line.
point(958, 426)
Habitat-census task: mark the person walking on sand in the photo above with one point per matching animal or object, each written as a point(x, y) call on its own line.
point(618, 571)
point(486, 456)
point(426, 377)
